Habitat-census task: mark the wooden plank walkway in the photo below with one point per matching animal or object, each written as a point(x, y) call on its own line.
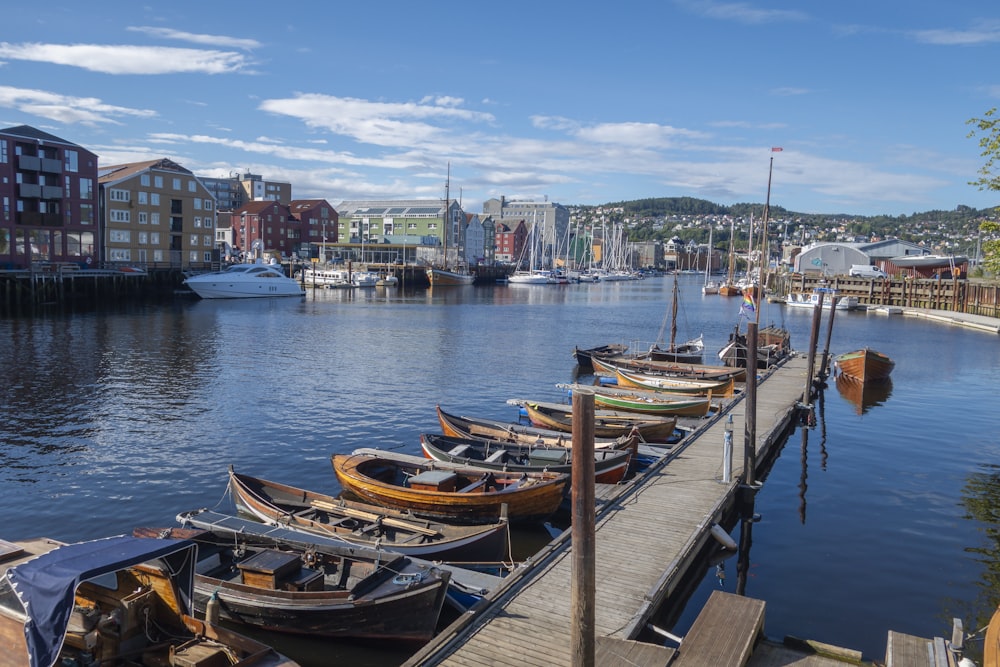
point(647, 537)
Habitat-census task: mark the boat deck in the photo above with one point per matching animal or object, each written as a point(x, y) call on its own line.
point(648, 535)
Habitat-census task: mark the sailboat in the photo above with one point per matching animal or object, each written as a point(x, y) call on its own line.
point(685, 353)
point(447, 275)
point(773, 342)
point(729, 287)
point(710, 286)
point(532, 276)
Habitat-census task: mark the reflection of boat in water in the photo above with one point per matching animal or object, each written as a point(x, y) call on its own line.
point(864, 395)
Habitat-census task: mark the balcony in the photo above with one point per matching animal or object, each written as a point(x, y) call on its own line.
point(29, 190)
point(29, 163)
point(51, 166)
point(52, 192)
point(35, 219)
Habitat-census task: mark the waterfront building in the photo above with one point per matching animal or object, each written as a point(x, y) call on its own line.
point(317, 225)
point(155, 213)
point(478, 236)
point(376, 221)
point(238, 189)
point(48, 189)
point(510, 241)
point(546, 221)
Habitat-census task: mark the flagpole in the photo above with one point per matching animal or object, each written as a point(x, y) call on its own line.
point(764, 249)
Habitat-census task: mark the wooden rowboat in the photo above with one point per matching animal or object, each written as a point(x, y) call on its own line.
point(668, 368)
point(864, 365)
point(584, 358)
point(559, 417)
point(463, 426)
point(717, 388)
point(468, 496)
point(331, 592)
point(646, 402)
point(610, 465)
point(363, 524)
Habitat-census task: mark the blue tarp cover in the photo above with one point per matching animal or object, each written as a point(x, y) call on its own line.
point(46, 584)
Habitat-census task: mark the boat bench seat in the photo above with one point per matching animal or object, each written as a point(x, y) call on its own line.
point(459, 450)
point(485, 480)
point(499, 456)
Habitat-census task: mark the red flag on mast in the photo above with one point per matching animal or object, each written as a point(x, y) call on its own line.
point(777, 149)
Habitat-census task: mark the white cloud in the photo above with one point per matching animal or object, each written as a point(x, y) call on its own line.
point(740, 12)
point(67, 109)
point(197, 38)
point(125, 59)
point(987, 32)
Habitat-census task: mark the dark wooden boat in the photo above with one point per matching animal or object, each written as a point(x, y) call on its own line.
point(584, 358)
point(461, 426)
point(559, 417)
point(366, 525)
point(610, 366)
point(334, 592)
point(864, 365)
point(610, 465)
point(647, 402)
point(469, 496)
point(114, 601)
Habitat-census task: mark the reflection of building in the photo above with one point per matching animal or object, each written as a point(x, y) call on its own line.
point(48, 187)
point(156, 213)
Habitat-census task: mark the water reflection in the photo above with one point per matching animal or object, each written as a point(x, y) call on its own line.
point(864, 395)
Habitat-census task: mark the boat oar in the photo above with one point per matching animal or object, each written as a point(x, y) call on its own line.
point(372, 516)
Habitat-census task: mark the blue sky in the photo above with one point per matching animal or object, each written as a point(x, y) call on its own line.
point(583, 103)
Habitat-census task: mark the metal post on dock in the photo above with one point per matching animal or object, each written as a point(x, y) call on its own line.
point(727, 451)
point(813, 342)
point(829, 334)
point(583, 617)
point(750, 416)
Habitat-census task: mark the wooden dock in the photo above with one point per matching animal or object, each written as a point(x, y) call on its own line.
point(648, 536)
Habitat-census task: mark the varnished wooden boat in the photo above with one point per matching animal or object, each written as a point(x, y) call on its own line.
point(647, 402)
point(461, 426)
point(584, 358)
point(365, 525)
point(119, 600)
point(468, 496)
point(716, 388)
point(610, 366)
point(346, 591)
point(864, 365)
point(991, 642)
point(559, 417)
point(610, 465)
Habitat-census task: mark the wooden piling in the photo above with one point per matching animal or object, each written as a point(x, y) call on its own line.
point(582, 618)
point(750, 416)
point(813, 342)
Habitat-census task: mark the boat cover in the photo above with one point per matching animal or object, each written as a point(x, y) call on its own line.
point(46, 584)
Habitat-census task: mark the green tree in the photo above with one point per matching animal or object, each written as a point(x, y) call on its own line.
point(988, 130)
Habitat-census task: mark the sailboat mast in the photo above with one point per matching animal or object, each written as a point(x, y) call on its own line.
point(765, 251)
point(447, 217)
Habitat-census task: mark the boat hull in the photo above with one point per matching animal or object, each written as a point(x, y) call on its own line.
point(493, 429)
point(865, 365)
point(651, 402)
point(548, 417)
point(442, 277)
point(529, 497)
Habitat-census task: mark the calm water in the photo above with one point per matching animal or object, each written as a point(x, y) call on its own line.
point(868, 521)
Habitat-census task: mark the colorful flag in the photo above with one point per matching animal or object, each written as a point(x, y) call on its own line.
point(748, 305)
point(777, 149)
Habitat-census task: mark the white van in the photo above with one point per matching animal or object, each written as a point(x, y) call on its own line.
point(866, 271)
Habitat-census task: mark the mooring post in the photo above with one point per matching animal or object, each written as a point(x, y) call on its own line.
point(829, 334)
point(727, 451)
point(582, 620)
point(813, 342)
point(750, 415)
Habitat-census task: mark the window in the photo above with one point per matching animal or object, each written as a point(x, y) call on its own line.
point(143, 217)
point(208, 205)
point(3, 151)
point(158, 181)
point(197, 204)
point(154, 238)
point(72, 160)
point(207, 257)
point(120, 255)
point(177, 184)
point(144, 180)
point(154, 218)
point(116, 215)
point(119, 195)
point(208, 223)
point(192, 186)
point(86, 214)
point(86, 188)
point(207, 240)
point(154, 198)
point(143, 197)
point(194, 239)
point(143, 238)
point(157, 255)
point(197, 223)
point(193, 256)
point(119, 235)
